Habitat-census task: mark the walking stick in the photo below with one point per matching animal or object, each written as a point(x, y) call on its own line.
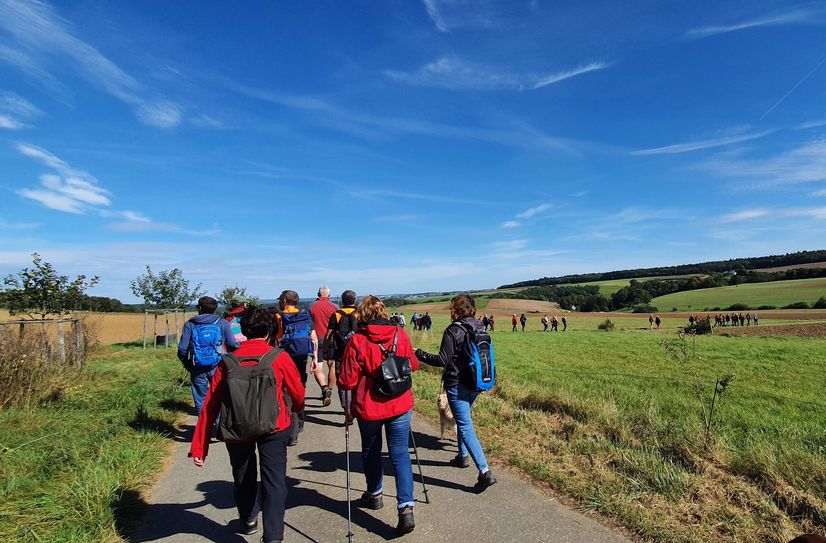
point(347, 453)
point(421, 475)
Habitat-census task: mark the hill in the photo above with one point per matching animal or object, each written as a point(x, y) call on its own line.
point(776, 293)
point(789, 260)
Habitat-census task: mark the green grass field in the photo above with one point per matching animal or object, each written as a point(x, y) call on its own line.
point(609, 419)
point(610, 286)
point(776, 293)
point(73, 469)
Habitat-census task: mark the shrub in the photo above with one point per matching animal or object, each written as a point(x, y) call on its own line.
point(820, 303)
point(737, 307)
point(645, 308)
point(606, 325)
point(797, 305)
point(700, 326)
point(673, 309)
point(765, 307)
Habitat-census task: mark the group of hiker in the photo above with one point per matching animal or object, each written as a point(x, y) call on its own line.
point(735, 319)
point(422, 323)
point(249, 370)
point(553, 322)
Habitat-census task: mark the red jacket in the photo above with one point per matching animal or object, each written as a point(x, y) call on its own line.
point(361, 360)
point(321, 312)
point(286, 376)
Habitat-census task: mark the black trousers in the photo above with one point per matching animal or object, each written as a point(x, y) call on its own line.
point(272, 450)
point(297, 419)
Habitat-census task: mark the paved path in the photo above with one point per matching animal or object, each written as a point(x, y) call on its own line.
point(194, 505)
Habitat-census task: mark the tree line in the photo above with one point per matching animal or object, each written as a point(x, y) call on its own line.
point(738, 265)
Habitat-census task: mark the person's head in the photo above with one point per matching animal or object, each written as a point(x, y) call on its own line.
point(323, 292)
point(371, 308)
point(348, 298)
point(462, 306)
point(288, 298)
point(238, 300)
point(258, 323)
point(206, 305)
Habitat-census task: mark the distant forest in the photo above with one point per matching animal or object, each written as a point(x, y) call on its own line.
point(638, 294)
point(737, 265)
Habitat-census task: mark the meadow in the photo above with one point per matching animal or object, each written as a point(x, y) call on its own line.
point(775, 293)
point(609, 420)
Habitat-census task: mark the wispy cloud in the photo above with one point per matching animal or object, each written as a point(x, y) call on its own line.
point(512, 245)
point(808, 15)
point(433, 12)
point(37, 30)
point(15, 111)
point(701, 144)
point(804, 164)
point(457, 74)
point(745, 215)
point(511, 224)
point(436, 198)
point(819, 193)
point(811, 124)
point(528, 213)
point(516, 134)
point(397, 218)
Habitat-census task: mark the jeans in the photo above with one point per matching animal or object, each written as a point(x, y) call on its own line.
point(397, 430)
point(272, 450)
point(461, 401)
point(200, 378)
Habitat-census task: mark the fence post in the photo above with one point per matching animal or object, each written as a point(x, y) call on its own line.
point(21, 330)
point(145, 315)
point(61, 342)
point(80, 343)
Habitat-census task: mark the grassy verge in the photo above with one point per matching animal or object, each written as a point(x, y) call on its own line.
point(67, 466)
point(609, 420)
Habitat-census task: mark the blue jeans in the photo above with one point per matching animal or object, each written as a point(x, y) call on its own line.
point(397, 430)
point(200, 378)
point(461, 400)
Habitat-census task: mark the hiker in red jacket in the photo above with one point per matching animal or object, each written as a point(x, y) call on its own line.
point(257, 324)
point(374, 411)
point(321, 311)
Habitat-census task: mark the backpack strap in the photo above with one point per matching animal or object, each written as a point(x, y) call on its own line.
point(392, 350)
point(231, 360)
point(269, 357)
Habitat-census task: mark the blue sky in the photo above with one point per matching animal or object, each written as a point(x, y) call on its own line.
point(407, 146)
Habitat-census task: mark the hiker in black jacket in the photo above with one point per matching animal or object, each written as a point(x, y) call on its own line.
point(456, 378)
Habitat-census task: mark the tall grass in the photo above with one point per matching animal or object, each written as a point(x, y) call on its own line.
point(611, 421)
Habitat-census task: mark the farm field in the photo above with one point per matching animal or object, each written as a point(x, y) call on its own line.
point(610, 420)
point(610, 286)
point(776, 293)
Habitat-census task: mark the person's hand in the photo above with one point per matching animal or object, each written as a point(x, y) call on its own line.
point(198, 461)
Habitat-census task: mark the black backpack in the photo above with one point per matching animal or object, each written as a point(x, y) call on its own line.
point(250, 406)
point(345, 328)
point(395, 374)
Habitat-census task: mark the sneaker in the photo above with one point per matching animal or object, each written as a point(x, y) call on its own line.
point(485, 480)
point(406, 522)
point(369, 501)
point(326, 397)
point(292, 442)
point(249, 527)
point(460, 461)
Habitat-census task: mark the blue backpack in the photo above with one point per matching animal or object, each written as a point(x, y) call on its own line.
point(479, 351)
point(205, 343)
point(297, 327)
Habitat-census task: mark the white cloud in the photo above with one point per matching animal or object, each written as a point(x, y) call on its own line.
point(819, 193)
point(793, 17)
point(528, 213)
point(511, 224)
point(14, 110)
point(53, 200)
point(36, 29)
point(457, 74)
point(746, 215)
point(9, 123)
point(811, 124)
point(702, 144)
point(806, 163)
point(435, 16)
point(512, 245)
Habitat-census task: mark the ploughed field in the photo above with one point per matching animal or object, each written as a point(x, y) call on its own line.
point(610, 421)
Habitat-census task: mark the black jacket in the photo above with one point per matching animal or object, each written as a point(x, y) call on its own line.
point(452, 356)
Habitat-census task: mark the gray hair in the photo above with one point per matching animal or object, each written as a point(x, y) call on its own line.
point(323, 291)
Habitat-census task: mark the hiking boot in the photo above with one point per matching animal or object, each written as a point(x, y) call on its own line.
point(485, 480)
point(326, 397)
point(249, 527)
point(292, 442)
point(406, 523)
point(460, 461)
point(369, 501)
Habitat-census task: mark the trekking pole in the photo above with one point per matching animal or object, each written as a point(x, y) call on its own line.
point(421, 475)
point(347, 453)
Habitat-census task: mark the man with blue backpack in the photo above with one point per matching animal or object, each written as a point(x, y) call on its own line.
point(204, 339)
point(296, 335)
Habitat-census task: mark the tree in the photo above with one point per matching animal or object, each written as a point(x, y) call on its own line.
point(168, 289)
point(225, 296)
point(40, 291)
